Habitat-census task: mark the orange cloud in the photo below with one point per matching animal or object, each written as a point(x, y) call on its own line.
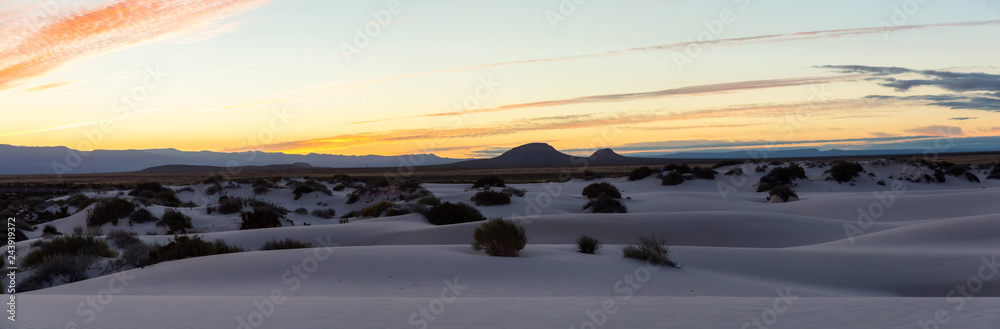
point(86, 32)
point(48, 86)
point(690, 90)
point(548, 123)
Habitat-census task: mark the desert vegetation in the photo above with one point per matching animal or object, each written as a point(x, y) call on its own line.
point(453, 213)
point(651, 249)
point(588, 245)
point(781, 176)
point(499, 237)
point(490, 198)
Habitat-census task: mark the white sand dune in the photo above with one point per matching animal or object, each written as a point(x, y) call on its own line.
point(931, 252)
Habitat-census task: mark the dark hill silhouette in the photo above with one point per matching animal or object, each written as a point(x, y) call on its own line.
point(541, 155)
point(197, 169)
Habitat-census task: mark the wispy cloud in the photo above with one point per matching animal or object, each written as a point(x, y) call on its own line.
point(547, 123)
point(683, 91)
point(937, 130)
point(971, 91)
point(91, 31)
point(48, 86)
point(963, 118)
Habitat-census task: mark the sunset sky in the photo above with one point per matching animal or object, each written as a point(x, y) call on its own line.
point(473, 78)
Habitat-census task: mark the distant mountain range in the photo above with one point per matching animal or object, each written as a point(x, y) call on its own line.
point(15, 160)
point(21, 160)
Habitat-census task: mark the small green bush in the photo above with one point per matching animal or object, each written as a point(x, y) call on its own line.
point(605, 205)
point(184, 246)
point(302, 211)
point(377, 209)
point(109, 211)
point(780, 176)
point(588, 245)
point(50, 230)
point(324, 213)
point(121, 238)
point(490, 198)
point(651, 249)
point(672, 178)
point(640, 173)
point(843, 171)
point(489, 181)
point(285, 244)
point(453, 213)
point(429, 201)
point(69, 268)
point(141, 216)
point(175, 221)
point(229, 205)
point(703, 173)
point(261, 217)
point(66, 245)
point(499, 237)
point(784, 192)
point(601, 189)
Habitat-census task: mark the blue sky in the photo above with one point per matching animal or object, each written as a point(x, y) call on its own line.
point(460, 77)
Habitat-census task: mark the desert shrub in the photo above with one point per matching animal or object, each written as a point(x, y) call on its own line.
point(260, 189)
point(843, 171)
point(703, 173)
point(783, 192)
point(69, 268)
point(93, 231)
point(140, 216)
point(453, 213)
point(175, 221)
point(302, 211)
point(601, 189)
point(50, 230)
point(109, 210)
point(490, 198)
point(213, 189)
point(651, 249)
point(734, 172)
point(324, 213)
point(409, 184)
point(121, 238)
point(489, 181)
point(430, 201)
point(184, 246)
point(229, 205)
point(339, 187)
point(510, 191)
point(588, 175)
point(285, 244)
point(995, 172)
point(605, 205)
point(672, 178)
point(79, 201)
point(153, 187)
point(499, 237)
point(781, 176)
point(683, 168)
point(640, 173)
point(588, 245)
point(759, 169)
point(353, 198)
point(261, 217)
point(972, 177)
point(136, 254)
point(939, 176)
point(66, 245)
point(310, 186)
point(19, 236)
point(349, 214)
point(724, 163)
point(377, 209)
